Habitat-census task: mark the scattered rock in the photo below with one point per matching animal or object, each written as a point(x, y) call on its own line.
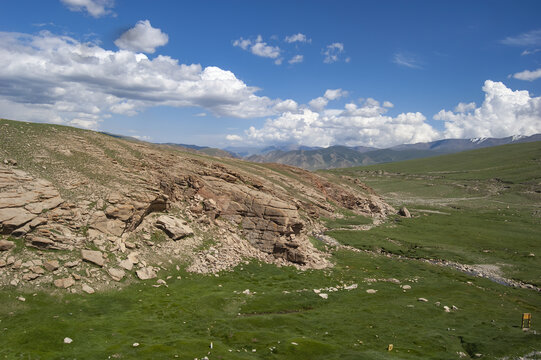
point(404, 212)
point(371, 291)
point(406, 287)
point(324, 296)
point(64, 283)
point(71, 264)
point(38, 270)
point(6, 245)
point(175, 228)
point(129, 245)
point(447, 309)
point(126, 264)
point(87, 289)
point(20, 298)
point(422, 299)
point(146, 273)
point(30, 276)
point(67, 340)
point(93, 256)
point(51, 265)
point(116, 274)
point(135, 344)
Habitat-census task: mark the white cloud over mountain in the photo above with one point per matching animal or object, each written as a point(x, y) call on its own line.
point(362, 123)
point(95, 8)
point(504, 112)
point(142, 38)
point(58, 79)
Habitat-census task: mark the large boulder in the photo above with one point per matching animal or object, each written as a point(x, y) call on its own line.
point(146, 273)
point(93, 256)
point(64, 283)
point(175, 228)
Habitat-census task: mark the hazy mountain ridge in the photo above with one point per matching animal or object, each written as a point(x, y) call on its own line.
point(343, 156)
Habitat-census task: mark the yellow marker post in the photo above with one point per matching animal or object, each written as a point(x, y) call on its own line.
point(526, 320)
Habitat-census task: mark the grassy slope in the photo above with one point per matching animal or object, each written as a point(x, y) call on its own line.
point(186, 317)
point(196, 310)
point(489, 206)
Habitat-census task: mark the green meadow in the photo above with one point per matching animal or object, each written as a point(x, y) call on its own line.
point(480, 207)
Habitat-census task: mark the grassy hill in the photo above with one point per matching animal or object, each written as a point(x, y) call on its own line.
point(381, 290)
point(476, 207)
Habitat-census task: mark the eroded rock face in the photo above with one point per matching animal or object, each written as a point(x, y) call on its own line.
point(23, 198)
point(264, 212)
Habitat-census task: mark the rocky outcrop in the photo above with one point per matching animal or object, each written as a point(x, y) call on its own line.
point(137, 205)
point(23, 198)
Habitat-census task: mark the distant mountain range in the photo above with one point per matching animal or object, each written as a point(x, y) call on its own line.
point(343, 156)
point(338, 156)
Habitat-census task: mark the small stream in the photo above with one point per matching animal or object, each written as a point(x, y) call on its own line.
point(473, 270)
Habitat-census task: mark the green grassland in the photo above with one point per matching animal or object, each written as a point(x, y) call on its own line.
point(481, 207)
point(282, 319)
point(476, 207)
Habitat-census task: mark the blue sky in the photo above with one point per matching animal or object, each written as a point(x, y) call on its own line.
point(320, 73)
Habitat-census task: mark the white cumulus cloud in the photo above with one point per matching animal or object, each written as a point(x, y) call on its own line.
point(233, 138)
point(319, 103)
point(464, 107)
point(504, 112)
point(296, 59)
point(364, 123)
point(58, 79)
point(528, 75)
point(332, 52)
point(259, 48)
point(95, 8)
point(142, 37)
point(297, 38)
